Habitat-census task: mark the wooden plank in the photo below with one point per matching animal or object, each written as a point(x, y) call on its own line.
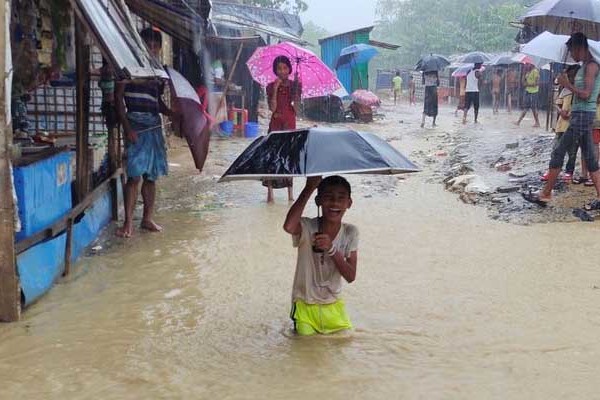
point(75, 212)
point(10, 298)
point(82, 65)
point(68, 247)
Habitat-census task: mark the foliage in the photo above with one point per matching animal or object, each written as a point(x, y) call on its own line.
point(312, 34)
point(445, 27)
point(292, 6)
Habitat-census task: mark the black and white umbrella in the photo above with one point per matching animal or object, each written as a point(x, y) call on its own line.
point(316, 152)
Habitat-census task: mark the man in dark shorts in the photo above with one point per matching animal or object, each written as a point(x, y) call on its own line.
point(472, 92)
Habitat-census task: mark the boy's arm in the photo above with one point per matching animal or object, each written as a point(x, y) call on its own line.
point(292, 221)
point(346, 266)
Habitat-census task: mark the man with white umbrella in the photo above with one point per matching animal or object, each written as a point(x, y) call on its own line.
point(585, 92)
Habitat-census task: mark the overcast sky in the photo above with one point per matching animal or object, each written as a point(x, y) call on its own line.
point(340, 15)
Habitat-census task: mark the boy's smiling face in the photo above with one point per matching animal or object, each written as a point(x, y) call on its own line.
point(334, 200)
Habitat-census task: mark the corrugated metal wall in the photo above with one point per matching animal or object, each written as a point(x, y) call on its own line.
point(355, 77)
point(360, 72)
point(330, 51)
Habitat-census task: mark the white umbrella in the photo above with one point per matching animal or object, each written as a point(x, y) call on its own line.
point(565, 17)
point(552, 47)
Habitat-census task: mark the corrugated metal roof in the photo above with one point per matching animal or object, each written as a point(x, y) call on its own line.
point(365, 29)
point(384, 45)
point(112, 27)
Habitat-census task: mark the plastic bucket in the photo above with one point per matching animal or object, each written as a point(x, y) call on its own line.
point(226, 127)
point(251, 129)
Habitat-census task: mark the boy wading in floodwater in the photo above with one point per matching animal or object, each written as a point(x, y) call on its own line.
point(327, 252)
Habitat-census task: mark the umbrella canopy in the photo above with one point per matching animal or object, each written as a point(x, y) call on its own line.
point(475, 57)
point(317, 79)
point(503, 59)
point(193, 121)
point(357, 53)
point(432, 62)
point(366, 97)
point(316, 152)
point(565, 17)
point(552, 47)
point(463, 71)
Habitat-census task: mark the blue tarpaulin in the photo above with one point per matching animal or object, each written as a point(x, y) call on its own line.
point(43, 192)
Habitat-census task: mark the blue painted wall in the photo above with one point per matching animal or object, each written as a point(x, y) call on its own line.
point(330, 51)
point(40, 266)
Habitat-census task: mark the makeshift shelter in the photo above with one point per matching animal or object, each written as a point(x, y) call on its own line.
point(351, 76)
point(51, 213)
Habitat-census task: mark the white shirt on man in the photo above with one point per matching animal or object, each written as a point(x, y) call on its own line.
point(472, 81)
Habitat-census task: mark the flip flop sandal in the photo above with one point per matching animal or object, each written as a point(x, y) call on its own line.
point(579, 180)
point(592, 205)
point(535, 199)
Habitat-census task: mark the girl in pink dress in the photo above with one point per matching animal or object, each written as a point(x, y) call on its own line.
point(284, 97)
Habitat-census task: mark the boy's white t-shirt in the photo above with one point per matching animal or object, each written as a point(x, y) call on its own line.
point(316, 282)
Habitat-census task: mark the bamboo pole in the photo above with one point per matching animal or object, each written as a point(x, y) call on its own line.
point(10, 299)
point(82, 58)
point(229, 77)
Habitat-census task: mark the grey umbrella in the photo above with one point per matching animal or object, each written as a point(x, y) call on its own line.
point(564, 17)
point(316, 152)
point(432, 62)
point(474, 57)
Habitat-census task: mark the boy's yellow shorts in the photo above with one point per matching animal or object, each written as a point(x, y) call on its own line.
point(310, 319)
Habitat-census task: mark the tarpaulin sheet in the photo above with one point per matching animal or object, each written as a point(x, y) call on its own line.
point(43, 192)
point(40, 266)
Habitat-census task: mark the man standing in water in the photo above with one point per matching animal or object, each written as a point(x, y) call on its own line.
point(472, 92)
point(139, 105)
point(585, 91)
point(531, 81)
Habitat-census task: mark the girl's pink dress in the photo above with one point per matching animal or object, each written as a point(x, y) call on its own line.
point(283, 119)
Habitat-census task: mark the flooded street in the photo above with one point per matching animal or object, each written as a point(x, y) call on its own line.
point(448, 303)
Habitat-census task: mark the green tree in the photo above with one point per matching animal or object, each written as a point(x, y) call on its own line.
point(445, 26)
point(292, 6)
point(312, 34)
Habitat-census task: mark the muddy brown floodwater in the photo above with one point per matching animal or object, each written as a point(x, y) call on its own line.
point(448, 303)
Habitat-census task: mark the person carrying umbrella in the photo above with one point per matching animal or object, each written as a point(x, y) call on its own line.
point(284, 97)
point(431, 81)
point(472, 92)
point(585, 91)
point(327, 252)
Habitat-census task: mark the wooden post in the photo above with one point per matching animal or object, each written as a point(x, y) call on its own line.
point(113, 163)
point(229, 77)
point(10, 299)
point(82, 60)
point(68, 247)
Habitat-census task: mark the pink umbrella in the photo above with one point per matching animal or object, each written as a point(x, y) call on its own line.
point(317, 79)
point(366, 98)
